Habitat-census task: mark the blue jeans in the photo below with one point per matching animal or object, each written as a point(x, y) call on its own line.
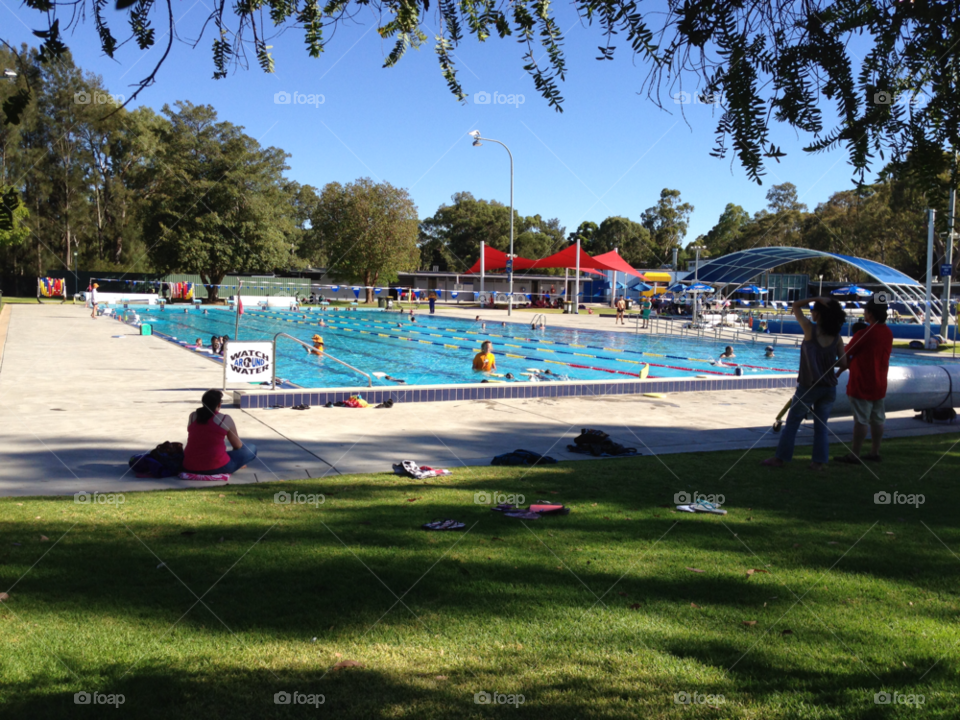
point(238, 458)
point(817, 401)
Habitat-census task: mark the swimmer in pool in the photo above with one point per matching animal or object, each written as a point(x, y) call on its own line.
point(768, 351)
point(317, 348)
point(484, 360)
point(727, 354)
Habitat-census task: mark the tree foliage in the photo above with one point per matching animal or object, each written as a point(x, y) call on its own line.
point(217, 200)
point(765, 61)
point(667, 223)
point(369, 231)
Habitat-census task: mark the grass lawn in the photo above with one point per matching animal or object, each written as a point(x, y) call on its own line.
point(205, 603)
point(947, 348)
point(33, 300)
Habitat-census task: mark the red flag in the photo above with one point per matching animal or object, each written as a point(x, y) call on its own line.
point(239, 305)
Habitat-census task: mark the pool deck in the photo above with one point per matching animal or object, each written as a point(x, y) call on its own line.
point(79, 396)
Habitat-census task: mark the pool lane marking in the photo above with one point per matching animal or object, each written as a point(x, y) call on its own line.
point(548, 350)
point(343, 318)
point(340, 320)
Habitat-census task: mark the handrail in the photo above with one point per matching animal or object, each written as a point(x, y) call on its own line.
point(541, 316)
point(310, 347)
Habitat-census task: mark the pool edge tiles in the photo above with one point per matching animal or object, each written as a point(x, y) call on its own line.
point(246, 399)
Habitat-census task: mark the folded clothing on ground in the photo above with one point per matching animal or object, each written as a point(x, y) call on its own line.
point(523, 457)
point(419, 472)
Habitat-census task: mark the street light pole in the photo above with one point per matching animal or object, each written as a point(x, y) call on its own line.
point(696, 279)
point(820, 290)
point(476, 143)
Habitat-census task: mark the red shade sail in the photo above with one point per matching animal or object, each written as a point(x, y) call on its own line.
point(613, 261)
point(496, 260)
point(566, 258)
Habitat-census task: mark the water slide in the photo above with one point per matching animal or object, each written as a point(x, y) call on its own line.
point(917, 387)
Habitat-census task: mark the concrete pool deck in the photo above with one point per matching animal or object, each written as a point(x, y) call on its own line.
point(78, 397)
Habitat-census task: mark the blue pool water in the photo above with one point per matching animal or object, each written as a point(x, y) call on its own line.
point(439, 349)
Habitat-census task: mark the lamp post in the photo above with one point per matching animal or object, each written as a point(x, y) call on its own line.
point(476, 143)
point(696, 278)
point(820, 290)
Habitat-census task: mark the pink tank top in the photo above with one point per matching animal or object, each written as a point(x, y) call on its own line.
point(205, 449)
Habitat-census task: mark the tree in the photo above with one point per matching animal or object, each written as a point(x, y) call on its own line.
point(369, 231)
point(303, 237)
point(586, 232)
point(667, 223)
point(218, 203)
point(725, 237)
point(631, 239)
point(455, 231)
point(765, 60)
point(16, 231)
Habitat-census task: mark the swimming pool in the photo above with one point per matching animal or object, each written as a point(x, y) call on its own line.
point(439, 349)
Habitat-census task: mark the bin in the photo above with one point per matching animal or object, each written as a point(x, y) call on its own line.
point(389, 303)
point(146, 329)
point(568, 307)
point(382, 302)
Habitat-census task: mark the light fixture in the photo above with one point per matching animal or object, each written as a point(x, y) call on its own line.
point(10, 74)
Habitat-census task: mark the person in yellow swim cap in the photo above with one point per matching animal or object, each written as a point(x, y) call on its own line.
point(317, 345)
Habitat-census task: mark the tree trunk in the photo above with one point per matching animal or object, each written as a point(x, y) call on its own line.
point(369, 290)
point(213, 282)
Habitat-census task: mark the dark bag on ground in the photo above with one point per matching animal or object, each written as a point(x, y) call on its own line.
point(944, 414)
point(165, 460)
point(598, 444)
point(522, 457)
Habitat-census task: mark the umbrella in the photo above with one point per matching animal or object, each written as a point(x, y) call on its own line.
point(678, 288)
point(641, 287)
point(852, 290)
point(699, 287)
point(753, 289)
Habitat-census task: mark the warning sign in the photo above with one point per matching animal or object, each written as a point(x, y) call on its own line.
point(248, 361)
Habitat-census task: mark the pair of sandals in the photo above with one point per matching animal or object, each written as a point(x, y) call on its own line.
point(388, 403)
point(441, 525)
point(300, 407)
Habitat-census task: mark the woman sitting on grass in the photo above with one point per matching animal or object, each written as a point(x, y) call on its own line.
point(207, 427)
point(816, 383)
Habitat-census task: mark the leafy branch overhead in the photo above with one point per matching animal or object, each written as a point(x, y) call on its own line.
point(895, 92)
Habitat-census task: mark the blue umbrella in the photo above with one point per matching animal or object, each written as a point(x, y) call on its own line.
point(640, 286)
point(678, 288)
point(753, 289)
point(852, 290)
point(699, 287)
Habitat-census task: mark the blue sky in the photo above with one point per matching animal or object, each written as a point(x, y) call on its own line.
point(609, 153)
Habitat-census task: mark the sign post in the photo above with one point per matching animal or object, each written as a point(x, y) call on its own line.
point(247, 362)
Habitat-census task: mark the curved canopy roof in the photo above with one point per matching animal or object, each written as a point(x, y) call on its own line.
point(739, 267)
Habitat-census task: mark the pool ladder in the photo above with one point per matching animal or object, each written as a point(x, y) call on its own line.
point(310, 347)
point(541, 317)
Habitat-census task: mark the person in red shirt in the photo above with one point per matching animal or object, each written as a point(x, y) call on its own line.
point(867, 356)
point(207, 428)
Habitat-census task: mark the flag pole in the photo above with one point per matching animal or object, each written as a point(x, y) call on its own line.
point(236, 328)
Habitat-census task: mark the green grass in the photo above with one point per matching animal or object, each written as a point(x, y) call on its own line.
point(596, 614)
point(905, 345)
point(33, 300)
